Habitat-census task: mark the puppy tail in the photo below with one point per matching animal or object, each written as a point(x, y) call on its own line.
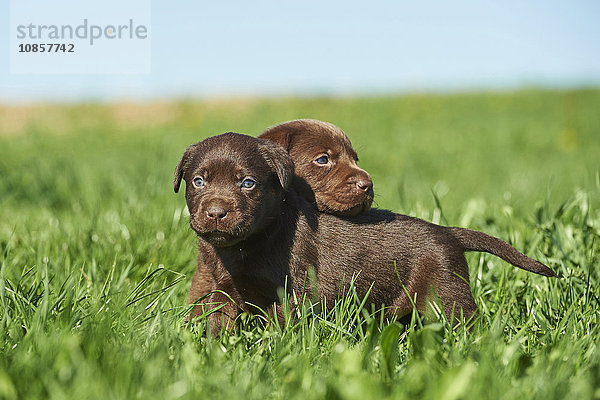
point(472, 240)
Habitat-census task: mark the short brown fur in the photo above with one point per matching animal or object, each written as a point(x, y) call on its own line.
point(268, 237)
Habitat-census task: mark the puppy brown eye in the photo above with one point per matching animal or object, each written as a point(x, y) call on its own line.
point(322, 160)
point(198, 182)
point(248, 183)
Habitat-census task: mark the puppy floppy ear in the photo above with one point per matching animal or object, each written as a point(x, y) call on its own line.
point(181, 167)
point(178, 173)
point(279, 160)
point(280, 134)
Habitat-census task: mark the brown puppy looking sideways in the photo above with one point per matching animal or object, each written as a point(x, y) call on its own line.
point(255, 236)
point(325, 161)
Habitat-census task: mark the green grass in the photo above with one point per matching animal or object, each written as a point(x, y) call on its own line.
point(96, 253)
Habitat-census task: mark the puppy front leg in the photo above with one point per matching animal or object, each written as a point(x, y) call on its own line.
point(203, 284)
point(214, 296)
point(225, 314)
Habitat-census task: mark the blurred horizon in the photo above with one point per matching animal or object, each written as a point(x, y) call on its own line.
point(334, 49)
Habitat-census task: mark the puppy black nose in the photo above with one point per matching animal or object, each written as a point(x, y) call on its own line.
point(216, 212)
point(364, 184)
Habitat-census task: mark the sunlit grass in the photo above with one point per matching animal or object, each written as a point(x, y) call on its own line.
point(96, 254)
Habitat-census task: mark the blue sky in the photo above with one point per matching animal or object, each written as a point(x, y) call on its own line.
point(242, 48)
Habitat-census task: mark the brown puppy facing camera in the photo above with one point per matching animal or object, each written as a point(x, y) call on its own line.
point(325, 165)
point(256, 235)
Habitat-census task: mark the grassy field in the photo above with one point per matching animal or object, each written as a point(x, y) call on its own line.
point(96, 252)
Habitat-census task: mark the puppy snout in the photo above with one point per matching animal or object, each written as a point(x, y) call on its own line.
point(364, 184)
point(216, 212)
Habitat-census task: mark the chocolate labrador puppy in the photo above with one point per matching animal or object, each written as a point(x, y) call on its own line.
point(256, 235)
point(326, 163)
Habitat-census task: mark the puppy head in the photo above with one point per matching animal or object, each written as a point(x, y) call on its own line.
point(234, 186)
point(325, 159)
